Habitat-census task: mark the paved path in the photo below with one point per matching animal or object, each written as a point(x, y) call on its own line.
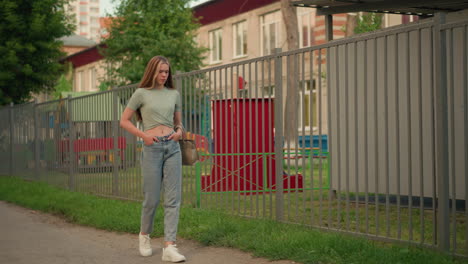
point(32, 237)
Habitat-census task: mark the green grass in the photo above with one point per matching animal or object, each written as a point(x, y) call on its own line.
point(263, 238)
point(313, 208)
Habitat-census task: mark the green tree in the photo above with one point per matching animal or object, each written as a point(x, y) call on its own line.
point(63, 85)
point(30, 47)
point(368, 22)
point(146, 28)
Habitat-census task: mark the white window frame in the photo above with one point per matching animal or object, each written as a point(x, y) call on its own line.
point(92, 79)
point(308, 91)
point(266, 25)
point(79, 81)
point(242, 27)
point(268, 91)
point(308, 14)
point(216, 52)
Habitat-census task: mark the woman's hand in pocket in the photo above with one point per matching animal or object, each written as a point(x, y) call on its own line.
point(149, 140)
point(176, 136)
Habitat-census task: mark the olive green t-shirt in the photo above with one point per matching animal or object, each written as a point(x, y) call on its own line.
point(157, 106)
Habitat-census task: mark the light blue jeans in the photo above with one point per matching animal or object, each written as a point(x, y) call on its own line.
point(162, 168)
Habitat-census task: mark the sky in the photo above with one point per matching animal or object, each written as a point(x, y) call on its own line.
point(108, 6)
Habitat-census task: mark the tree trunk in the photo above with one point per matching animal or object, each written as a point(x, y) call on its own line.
point(292, 36)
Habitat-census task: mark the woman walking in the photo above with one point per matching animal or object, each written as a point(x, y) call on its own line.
point(158, 105)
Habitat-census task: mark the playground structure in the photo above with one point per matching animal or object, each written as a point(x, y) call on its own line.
point(93, 153)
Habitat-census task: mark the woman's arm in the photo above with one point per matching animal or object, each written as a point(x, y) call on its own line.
point(177, 126)
point(126, 124)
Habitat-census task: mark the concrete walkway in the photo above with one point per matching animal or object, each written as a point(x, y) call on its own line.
point(32, 237)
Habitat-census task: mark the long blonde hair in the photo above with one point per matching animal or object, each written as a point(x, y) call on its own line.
point(149, 77)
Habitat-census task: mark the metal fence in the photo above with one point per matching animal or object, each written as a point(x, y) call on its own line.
point(366, 135)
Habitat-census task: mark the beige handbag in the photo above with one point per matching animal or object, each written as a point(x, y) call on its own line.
point(188, 149)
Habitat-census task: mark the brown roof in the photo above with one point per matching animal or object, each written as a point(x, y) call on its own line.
point(409, 7)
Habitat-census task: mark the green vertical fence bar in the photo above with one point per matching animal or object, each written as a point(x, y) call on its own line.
point(198, 183)
point(265, 173)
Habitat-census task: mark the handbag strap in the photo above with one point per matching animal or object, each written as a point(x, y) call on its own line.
point(185, 134)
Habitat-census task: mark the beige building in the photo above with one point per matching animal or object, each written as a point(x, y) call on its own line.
point(88, 69)
point(257, 31)
point(86, 17)
point(87, 78)
point(235, 33)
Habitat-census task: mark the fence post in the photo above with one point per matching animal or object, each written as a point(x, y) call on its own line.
point(115, 129)
point(441, 133)
point(278, 108)
point(36, 140)
point(11, 139)
point(71, 134)
point(329, 27)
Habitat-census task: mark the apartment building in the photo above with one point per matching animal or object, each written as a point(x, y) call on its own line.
point(86, 17)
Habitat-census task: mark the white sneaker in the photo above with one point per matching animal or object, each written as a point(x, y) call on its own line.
point(145, 245)
point(171, 253)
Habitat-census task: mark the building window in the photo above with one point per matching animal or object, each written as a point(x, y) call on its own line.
point(80, 81)
point(269, 91)
point(270, 32)
point(306, 22)
point(83, 8)
point(94, 20)
point(83, 18)
point(240, 39)
point(94, 10)
point(216, 44)
point(307, 107)
point(83, 29)
point(92, 79)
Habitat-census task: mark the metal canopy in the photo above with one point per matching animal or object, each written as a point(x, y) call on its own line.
point(402, 7)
